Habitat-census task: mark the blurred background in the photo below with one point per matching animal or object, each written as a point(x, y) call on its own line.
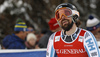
point(37, 13)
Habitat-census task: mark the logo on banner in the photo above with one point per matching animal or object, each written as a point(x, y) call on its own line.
point(57, 38)
point(80, 38)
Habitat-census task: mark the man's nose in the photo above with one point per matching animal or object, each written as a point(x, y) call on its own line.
point(63, 17)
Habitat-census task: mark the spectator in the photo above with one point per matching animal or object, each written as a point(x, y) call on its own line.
point(43, 32)
point(31, 41)
point(53, 28)
point(93, 25)
point(17, 39)
point(31, 29)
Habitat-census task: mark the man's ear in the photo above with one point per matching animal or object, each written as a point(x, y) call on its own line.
point(75, 17)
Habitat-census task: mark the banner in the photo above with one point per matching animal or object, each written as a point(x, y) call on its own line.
point(23, 53)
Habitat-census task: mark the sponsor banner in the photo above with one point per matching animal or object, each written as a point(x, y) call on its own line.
point(23, 53)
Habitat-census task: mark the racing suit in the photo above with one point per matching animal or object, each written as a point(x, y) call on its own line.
point(82, 43)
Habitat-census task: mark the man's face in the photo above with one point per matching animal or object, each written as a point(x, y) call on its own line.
point(30, 30)
point(65, 22)
point(23, 34)
point(96, 33)
point(64, 17)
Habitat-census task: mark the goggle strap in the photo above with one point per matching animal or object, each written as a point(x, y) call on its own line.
point(73, 19)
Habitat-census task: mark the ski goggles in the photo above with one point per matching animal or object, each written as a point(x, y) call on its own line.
point(63, 12)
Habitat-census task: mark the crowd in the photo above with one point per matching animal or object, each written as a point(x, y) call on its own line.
point(25, 37)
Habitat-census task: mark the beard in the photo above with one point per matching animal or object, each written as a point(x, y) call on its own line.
point(66, 26)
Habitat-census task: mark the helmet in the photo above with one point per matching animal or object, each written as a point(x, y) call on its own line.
point(66, 5)
point(75, 13)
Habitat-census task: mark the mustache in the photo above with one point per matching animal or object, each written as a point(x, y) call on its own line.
point(64, 20)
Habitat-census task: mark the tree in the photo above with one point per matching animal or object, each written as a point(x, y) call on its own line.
point(38, 12)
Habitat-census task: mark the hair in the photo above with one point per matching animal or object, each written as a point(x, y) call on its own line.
point(78, 23)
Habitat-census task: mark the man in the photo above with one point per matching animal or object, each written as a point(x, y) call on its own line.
point(31, 29)
point(16, 40)
point(71, 41)
point(54, 26)
point(93, 25)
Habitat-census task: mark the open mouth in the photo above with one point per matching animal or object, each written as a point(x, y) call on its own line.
point(64, 22)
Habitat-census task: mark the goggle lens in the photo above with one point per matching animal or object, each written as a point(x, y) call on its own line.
point(63, 12)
